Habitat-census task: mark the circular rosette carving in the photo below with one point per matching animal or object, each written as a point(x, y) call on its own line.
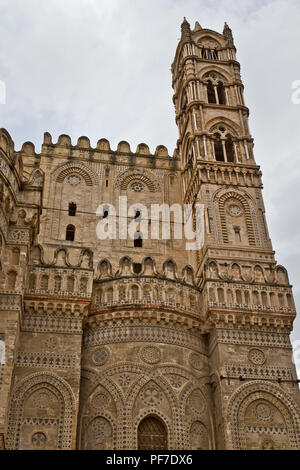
point(100, 356)
point(196, 402)
point(257, 357)
point(151, 395)
point(234, 210)
point(176, 381)
point(42, 400)
point(137, 187)
point(100, 400)
point(51, 343)
point(263, 412)
point(74, 180)
point(197, 361)
point(151, 354)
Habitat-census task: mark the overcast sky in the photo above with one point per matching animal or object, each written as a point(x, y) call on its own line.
point(101, 68)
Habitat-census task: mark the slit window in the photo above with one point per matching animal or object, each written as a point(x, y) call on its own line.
point(138, 240)
point(72, 209)
point(105, 212)
point(70, 233)
point(237, 234)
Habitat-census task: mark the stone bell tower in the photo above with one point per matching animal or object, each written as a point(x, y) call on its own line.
point(247, 298)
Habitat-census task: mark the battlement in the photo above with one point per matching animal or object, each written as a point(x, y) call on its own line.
point(83, 148)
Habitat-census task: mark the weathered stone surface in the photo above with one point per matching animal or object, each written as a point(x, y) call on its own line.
point(106, 345)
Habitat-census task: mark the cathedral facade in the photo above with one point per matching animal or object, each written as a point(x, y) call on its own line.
point(139, 343)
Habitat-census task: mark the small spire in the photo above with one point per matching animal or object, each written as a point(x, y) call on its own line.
point(186, 34)
point(227, 33)
point(197, 27)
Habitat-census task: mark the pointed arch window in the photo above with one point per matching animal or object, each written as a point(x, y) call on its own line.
point(211, 95)
point(219, 151)
point(215, 54)
point(229, 148)
point(70, 233)
point(210, 54)
point(152, 434)
point(221, 93)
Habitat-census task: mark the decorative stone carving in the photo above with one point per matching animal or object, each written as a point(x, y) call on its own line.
point(176, 381)
point(42, 400)
point(151, 354)
point(257, 356)
point(151, 395)
point(196, 402)
point(100, 356)
point(196, 361)
point(198, 436)
point(137, 187)
point(100, 400)
point(263, 411)
point(39, 440)
point(234, 210)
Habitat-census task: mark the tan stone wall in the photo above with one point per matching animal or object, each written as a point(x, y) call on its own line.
point(97, 351)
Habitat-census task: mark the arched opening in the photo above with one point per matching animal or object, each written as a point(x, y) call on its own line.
point(57, 284)
point(229, 148)
point(219, 153)
point(70, 284)
point(70, 233)
point(134, 293)
point(221, 93)
point(152, 434)
point(137, 268)
point(138, 240)
point(211, 93)
point(44, 282)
